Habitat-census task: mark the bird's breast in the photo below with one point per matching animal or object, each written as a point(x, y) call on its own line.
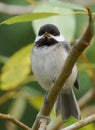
point(47, 64)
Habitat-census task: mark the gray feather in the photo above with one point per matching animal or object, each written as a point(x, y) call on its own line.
point(66, 105)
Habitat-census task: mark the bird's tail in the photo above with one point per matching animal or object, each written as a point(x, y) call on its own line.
point(66, 105)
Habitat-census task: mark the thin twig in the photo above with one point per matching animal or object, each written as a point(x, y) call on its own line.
point(88, 110)
point(86, 98)
point(15, 9)
point(13, 120)
point(57, 125)
point(81, 123)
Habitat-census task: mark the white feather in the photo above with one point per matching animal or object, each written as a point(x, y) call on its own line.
point(59, 38)
point(47, 63)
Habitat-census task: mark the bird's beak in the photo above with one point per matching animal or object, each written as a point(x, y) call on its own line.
point(47, 35)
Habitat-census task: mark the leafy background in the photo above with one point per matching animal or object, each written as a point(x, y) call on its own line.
point(20, 94)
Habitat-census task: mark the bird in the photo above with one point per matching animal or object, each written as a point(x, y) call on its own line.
point(48, 56)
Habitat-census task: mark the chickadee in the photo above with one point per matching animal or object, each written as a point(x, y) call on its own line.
point(48, 57)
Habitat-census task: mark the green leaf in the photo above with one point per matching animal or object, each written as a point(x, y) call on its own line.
point(62, 4)
point(65, 23)
point(72, 120)
point(36, 103)
point(16, 70)
point(28, 17)
point(3, 59)
point(90, 126)
point(86, 66)
point(18, 106)
point(32, 93)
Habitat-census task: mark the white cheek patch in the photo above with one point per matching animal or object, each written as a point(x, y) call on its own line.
point(59, 38)
point(38, 38)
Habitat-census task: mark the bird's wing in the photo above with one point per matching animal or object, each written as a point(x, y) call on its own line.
point(68, 47)
point(76, 84)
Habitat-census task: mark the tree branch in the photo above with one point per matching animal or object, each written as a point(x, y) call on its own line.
point(88, 110)
point(15, 9)
point(13, 120)
point(82, 102)
point(81, 123)
point(86, 98)
point(57, 125)
point(74, 54)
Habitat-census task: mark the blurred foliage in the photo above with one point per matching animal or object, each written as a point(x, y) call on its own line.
point(20, 94)
point(28, 17)
point(66, 4)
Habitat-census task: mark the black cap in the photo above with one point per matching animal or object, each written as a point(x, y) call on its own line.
point(49, 28)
